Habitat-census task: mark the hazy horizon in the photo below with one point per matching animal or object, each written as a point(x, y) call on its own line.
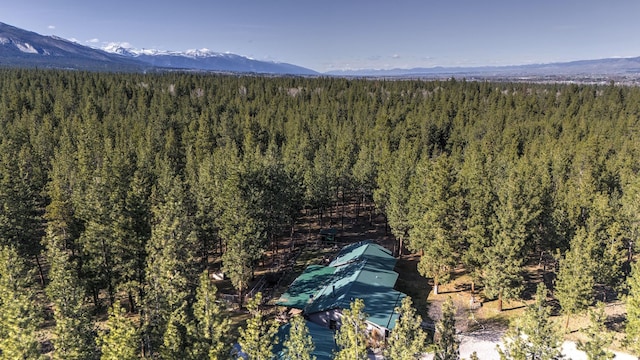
point(332, 35)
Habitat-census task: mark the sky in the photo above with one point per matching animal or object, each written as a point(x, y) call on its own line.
point(326, 35)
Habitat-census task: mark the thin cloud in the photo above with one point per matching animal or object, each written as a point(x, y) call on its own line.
point(395, 56)
point(93, 41)
point(51, 27)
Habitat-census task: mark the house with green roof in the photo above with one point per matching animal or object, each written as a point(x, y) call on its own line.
point(362, 270)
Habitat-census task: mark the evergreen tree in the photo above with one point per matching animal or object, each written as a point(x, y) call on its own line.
point(632, 329)
point(532, 336)
point(211, 331)
point(630, 208)
point(258, 336)
point(599, 338)
point(606, 239)
point(574, 284)
point(400, 172)
point(438, 220)
point(505, 257)
point(136, 231)
point(73, 332)
point(20, 201)
point(480, 199)
point(447, 343)
point(175, 341)
point(121, 339)
point(19, 316)
point(407, 340)
point(351, 337)
point(239, 222)
point(299, 345)
point(172, 262)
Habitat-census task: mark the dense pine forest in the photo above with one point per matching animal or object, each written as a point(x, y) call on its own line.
point(117, 190)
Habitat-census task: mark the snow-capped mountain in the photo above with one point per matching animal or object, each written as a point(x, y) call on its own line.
point(21, 48)
point(205, 59)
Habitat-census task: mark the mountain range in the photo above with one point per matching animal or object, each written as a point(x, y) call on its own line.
point(23, 48)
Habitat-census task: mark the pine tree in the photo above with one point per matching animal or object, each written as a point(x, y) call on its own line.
point(447, 344)
point(121, 339)
point(73, 333)
point(175, 341)
point(532, 336)
point(172, 262)
point(599, 338)
point(399, 178)
point(351, 337)
point(511, 231)
point(211, 330)
point(258, 336)
point(240, 225)
point(298, 346)
point(407, 339)
point(632, 329)
point(480, 199)
point(574, 284)
point(19, 316)
point(20, 201)
point(437, 217)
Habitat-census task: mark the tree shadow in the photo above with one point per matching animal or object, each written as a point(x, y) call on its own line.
point(413, 284)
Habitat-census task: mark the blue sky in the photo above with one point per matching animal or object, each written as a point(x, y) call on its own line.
point(349, 34)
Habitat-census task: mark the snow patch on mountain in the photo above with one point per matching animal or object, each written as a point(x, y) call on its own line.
point(126, 49)
point(119, 48)
point(26, 48)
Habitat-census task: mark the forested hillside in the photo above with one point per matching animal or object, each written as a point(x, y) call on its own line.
point(119, 188)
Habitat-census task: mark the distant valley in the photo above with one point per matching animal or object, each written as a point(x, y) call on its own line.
point(22, 48)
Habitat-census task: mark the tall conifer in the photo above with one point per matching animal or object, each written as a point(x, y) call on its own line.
point(351, 337)
point(19, 315)
point(632, 328)
point(258, 336)
point(447, 343)
point(407, 340)
point(533, 335)
point(298, 345)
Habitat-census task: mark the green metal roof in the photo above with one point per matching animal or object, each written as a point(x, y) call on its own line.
point(362, 270)
point(323, 340)
point(365, 250)
point(305, 286)
point(360, 280)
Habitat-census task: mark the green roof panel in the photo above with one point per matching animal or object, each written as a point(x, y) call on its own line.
point(305, 286)
point(323, 341)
